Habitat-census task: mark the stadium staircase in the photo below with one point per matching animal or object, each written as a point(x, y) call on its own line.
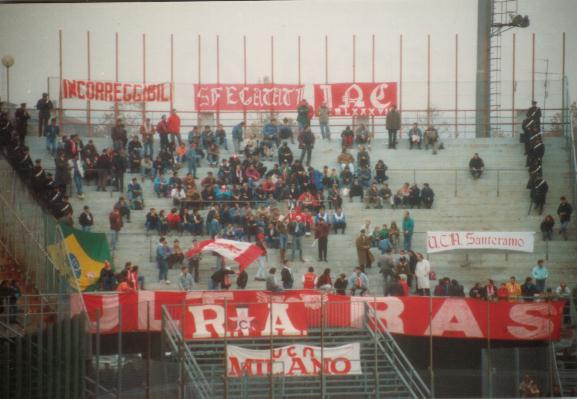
point(499, 201)
point(386, 372)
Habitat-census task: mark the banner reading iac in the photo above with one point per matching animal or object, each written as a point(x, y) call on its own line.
point(357, 99)
point(115, 91)
point(440, 241)
point(252, 97)
point(294, 361)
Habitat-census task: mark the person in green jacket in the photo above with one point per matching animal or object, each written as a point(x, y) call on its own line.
point(408, 228)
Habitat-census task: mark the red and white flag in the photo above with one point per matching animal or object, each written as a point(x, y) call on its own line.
point(243, 253)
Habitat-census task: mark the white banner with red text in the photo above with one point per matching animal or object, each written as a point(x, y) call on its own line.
point(243, 253)
point(115, 91)
point(441, 241)
point(237, 314)
point(252, 97)
point(294, 361)
point(356, 99)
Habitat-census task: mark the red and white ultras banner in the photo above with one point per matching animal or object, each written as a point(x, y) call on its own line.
point(243, 253)
point(356, 99)
point(253, 97)
point(115, 91)
point(237, 314)
point(294, 361)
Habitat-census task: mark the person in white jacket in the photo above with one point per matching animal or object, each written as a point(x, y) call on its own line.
point(422, 273)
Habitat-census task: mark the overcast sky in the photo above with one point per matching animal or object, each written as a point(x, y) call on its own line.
point(30, 34)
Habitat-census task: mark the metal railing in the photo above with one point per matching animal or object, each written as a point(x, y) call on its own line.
point(194, 374)
point(395, 355)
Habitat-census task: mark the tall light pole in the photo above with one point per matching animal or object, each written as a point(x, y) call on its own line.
point(8, 61)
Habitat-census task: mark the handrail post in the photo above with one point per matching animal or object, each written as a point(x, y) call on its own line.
point(498, 181)
point(456, 174)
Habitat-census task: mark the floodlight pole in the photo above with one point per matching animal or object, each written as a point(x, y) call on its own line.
point(484, 12)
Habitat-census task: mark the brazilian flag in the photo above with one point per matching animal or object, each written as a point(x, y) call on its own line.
point(80, 257)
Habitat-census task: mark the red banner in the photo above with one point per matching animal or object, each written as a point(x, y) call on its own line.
point(249, 313)
point(243, 253)
point(356, 99)
point(253, 97)
point(115, 91)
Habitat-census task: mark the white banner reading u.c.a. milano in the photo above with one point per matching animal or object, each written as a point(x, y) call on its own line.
point(294, 361)
point(440, 241)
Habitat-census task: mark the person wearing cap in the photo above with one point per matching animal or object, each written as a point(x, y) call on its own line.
point(21, 117)
point(44, 107)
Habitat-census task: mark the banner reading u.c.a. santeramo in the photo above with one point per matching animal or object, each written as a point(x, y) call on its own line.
point(441, 241)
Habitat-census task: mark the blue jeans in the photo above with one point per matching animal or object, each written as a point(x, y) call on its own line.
point(51, 145)
point(261, 271)
point(540, 283)
point(87, 228)
point(149, 150)
point(192, 166)
point(282, 239)
point(297, 244)
point(78, 183)
point(113, 239)
point(407, 239)
point(162, 269)
point(563, 228)
point(325, 131)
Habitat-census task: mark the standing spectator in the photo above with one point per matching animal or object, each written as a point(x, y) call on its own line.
point(242, 280)
point(322, 231)
point(341, 284)
point(119, 136)
point(194, 260)
point(476, 166)
point(147, 133)
point(358, 281)
point(546, 227)
point(136, 281)
point(304, 114)
point(162, 255)
point(44, 107)
point(221, 278)
point(563, 292)
point(21, 117)
point(286, 275)
point(539, 194)
point(564, 211)
point(173, 125)
point(393, 124)
point(422, 272)
point(192, 158)
point(185, 280)
point(408, 229)
point(103, 166)
point(324, 121)
point(261, 271)
point(540, 274)
point(477, 291)
point(237, 136)
point(306, 141)
point(116, 224)
point(162, 130)
point(118, 166)
point(282, 228)
point(297, 230)
point(286, 132)
point(364, 255)
point(107, 280)
point(489, 291)
point(62, 172)
point(86, 220)
point(52, 132)
point(77, 175)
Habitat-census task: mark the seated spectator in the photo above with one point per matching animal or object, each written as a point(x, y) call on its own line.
point(213, 155)
point(415, 136)
point(220, 135)
point(386, 195)
point(341, 284)
point(364, 175)
point(381, 172)
point(489, 291)
point(363, 158)
point(346, 160)
point(146, 168)
point(163, 223)
point(107, 281)
point(271, 281)
point(546, 227)
point(513, 288)
point(152, 221)
point(373, 197)
point(161, 187)
point(401, 198)
point(347, 137)
point(324, 281)
point(476, 166)
point(477, 291)
point(134, 194)
point(286, 132)
point(456, 289)
point(338, 220)
point(427, 196)
point(178, 195)
point(442, 288)
point(123, 208)
point(414, 196)
point(136, 280)
point(529, 289)
point(356, 190)
point(346, 177)
point(285, 154)
point(174, 220)
point(358, 281)
point(431, 138)
point(125, 286)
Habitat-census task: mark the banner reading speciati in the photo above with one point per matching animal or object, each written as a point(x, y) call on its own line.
point(441, 241)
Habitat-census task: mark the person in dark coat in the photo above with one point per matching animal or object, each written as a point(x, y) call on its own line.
point(62, 173)
point(118, 166)
point(393, 124)
point(103, 166)
point(539, 194)
point(21, 117)
point(44, 107)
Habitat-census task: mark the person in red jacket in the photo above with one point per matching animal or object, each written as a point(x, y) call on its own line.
point(322, 231)
point(310, 279)
point(162, 130)
point(174, 127)
point(116, 224)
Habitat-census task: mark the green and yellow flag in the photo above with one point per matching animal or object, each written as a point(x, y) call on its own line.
point(81, 256)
